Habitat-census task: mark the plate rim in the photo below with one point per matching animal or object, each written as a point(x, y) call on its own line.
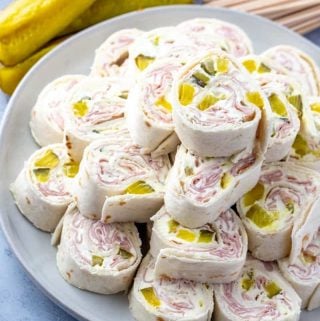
point(51, 55)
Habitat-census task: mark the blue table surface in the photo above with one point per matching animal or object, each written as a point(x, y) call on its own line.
point(20, 299)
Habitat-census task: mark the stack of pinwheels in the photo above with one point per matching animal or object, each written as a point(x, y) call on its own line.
point(214, 149)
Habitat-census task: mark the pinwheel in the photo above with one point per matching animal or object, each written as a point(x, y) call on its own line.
point(95, 108)
point(214, 100)
point(213, 253)
point(155, 299)
point(111, 57)
point(149, 109)
point(42, 190)
point(298, 65)
point(212, 33)
point(302, 267)
point(306, 147)
point(285, 192)
point(47, 122)
point(97, 257)
point(199, 189)
point(152, 45)
point(260, 294)
point(117, 183)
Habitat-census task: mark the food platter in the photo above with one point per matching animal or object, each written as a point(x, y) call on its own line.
point(32, 247)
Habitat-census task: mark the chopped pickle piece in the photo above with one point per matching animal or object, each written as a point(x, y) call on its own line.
point(200, 78)
point(139, 187)
point(250, 65)
point(301, 147)
point(173, 226)
point(225, 180)
point(222, 64)
point(296, 102)
point(255, 98)
point(277, 105)
point(48, 160)
point(188, 171)
point(80, 108)
point(150, 296)
point(124, 253)
point(260, 217)
point(208, 67)
point(186, 93)
point(307, 258)
point(97, 260)
point(186, 235)
point(123, 95)
point(205, 236)
point(290, 206)
point(200, 303)
point(253, 195)
point(263, 68)
point(156, 40)
point(71, 169)
point(164, 103)
point(315, 107)
point(207, 101)
point(272, 289)
point(42, 174)
point(143, 62)
point(247, 283)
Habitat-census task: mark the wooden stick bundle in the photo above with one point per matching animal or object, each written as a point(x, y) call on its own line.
point(300, 15)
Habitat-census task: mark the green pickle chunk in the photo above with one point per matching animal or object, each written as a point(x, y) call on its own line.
point(164, 103)
point(186, 235)
point(263, 68)
point(205, 236)
point(208, 67)
point(80, 108)
point(151, 296)
point(255, 98)
point(124, 253)
point(71, 169)
point(186, 93)
point(253, 195)
point(139, 187)
point(200, 78)
point(48, 160)
point(247, 281)
point(272, 289)
point(42, 174)
point(173, 226)
point(296, 102)
point(143, 62)
point(208, 101)
point(260, 217)
point(97, 260)
point(277, 105)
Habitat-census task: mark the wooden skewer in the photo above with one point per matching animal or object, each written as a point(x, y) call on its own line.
point(307, 25)
point(300, 16)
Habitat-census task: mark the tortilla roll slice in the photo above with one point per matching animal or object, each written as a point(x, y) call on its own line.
point(306, 147)
point(213, 253)
point(42, 190)
point(151, 45)
point(95, 107)
point(198, 189)
point(213, 33)
point(285, 192)
point(97, 257)
point(154, 299)
point(149, 108)
point(304, 273)
point(298, 65)
point(111, 57)
point(259, 294)
point(214, 100)
point(47, 121)
point(118, 183)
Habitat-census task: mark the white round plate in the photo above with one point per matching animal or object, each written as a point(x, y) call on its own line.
point(75, 55)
